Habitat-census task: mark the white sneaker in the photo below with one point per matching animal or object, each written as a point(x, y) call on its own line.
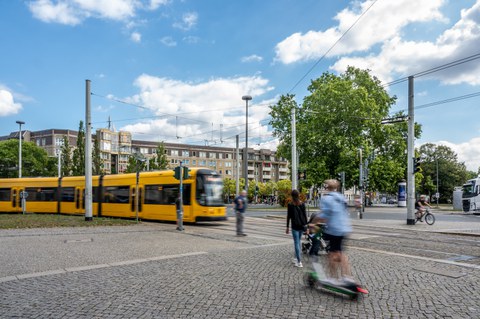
point(299, 264)
point(348, 281)
point(331, 281)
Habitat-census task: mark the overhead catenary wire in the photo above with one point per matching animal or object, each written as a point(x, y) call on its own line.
point(453, 99)
point(436, 69)
point(331, 48)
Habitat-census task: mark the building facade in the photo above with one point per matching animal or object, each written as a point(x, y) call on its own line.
point(117, 146)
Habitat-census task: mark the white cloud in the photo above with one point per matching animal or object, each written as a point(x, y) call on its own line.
point(403, 57)
point(198, 105)
point(189, 20)
point(61, 12)
point(468, 152)
point(168, 41)
point(73, 12)
point(365, 34)
point(191, 39)
point(7, 104)
point(136, 37)
point(252, 58)
point(154, 4)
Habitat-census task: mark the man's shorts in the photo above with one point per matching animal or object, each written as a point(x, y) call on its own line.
point(335, 242)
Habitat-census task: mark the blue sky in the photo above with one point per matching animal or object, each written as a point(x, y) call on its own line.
point(182, 66)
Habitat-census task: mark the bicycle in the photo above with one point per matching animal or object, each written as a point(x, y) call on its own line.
point(427, 215)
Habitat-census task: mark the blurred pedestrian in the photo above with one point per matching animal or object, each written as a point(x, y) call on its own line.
point(179, 209)
point(297, 214)
point(240, 206)
point(335, 214)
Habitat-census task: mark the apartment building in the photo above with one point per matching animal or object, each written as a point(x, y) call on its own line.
point(117, 146)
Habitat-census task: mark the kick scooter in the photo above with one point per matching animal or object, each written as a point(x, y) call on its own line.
point(316, 278)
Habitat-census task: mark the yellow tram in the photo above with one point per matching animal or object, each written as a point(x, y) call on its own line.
point(114, 195)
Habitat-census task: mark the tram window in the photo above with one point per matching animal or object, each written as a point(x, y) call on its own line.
point(4, 194)
point(166, 194)
point(68, 194)
point(39, 194)
point(95, 194)
point(117, 194)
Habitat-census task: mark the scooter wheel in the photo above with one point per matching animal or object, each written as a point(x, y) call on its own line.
point(309, 280)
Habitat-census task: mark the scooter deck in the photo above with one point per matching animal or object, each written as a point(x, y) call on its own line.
point(351, 291)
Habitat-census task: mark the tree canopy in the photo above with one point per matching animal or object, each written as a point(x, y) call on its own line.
point(440, 163)
point(342, 114)
point(35, 160)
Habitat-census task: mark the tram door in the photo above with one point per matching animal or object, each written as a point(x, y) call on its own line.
point(133, 202)
point(79, 200)
point(15, 200)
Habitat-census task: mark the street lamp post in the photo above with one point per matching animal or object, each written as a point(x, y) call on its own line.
point(246, 98)
point(20, 123)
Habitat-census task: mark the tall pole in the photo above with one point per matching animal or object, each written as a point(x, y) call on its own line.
point(246, 98)
point(20, 148)
point(60, 164)
point(88, 155)
point(410, 156)
point(237, 169)
point(436, 195)
point(294, 151)
point(362, 199)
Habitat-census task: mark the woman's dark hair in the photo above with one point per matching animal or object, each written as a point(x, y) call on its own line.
point(296, 197)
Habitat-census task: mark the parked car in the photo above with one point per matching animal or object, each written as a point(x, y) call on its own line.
point(391, 201)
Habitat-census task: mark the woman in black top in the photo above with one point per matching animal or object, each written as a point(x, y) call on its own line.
point(297, 214)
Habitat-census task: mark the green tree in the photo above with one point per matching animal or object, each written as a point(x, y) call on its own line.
point(97, 162)
point(66, 157)
point(343, 114)
point(78, 168)
point(35, 160)
point(451, 173)
point(135, 162)
point(229, 187)
point(160, 160)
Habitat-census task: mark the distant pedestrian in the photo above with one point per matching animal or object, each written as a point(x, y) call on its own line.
point(297, 214)
point(179, 209)
point(240, 206)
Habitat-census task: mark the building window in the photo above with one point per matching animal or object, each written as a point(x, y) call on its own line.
point(174, 152)
point(202, 163)
point(186, 153)
point(58, 141)
point(186, 162)
point(213, 155)
point(202, 154)
point(194, 162)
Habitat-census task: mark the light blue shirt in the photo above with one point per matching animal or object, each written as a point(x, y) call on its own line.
point(334, 210)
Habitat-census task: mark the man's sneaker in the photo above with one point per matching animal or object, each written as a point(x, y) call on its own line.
point(299, 264)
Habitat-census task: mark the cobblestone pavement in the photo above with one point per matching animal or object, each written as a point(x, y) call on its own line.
point(150, 271)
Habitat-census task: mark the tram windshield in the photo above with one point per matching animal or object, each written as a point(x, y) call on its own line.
point(209, 189)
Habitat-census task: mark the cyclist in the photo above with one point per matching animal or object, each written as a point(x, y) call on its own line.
point(420, 207)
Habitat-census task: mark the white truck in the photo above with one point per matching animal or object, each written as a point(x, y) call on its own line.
point(471, 196)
